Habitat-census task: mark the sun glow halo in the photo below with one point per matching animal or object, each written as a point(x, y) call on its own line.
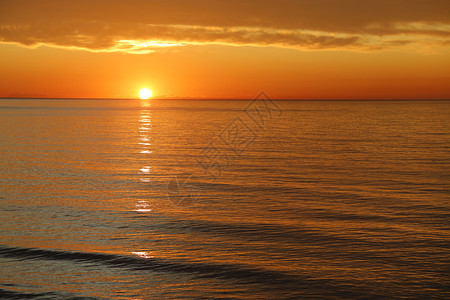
point(145, 93)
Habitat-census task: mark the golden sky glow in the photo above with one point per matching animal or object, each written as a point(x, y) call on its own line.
point(225, 49)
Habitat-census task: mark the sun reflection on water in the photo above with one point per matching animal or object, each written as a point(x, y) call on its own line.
point(143, 254)
point(142, 206)
point(145, 144)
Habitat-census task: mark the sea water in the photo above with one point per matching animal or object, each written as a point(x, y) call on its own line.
point(197, 199)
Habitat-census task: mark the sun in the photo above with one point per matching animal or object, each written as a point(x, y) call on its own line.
point(145, 93)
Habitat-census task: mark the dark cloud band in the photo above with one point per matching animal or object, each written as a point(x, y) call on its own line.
point(143, 26)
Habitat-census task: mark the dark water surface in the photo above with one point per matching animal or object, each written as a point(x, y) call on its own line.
point(224, 199)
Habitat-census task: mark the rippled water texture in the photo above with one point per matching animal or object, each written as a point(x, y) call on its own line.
point(224, 199)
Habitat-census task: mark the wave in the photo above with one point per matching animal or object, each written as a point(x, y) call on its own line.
point(10, 294)
point(270, 280)
point(137, 263)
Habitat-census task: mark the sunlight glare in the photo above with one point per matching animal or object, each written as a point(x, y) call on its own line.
point(145, 93)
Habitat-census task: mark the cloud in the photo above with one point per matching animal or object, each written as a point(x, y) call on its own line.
point(138, 26)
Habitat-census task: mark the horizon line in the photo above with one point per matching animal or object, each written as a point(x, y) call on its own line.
point(230, 99)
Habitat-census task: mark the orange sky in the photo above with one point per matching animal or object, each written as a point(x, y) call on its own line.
point(225, 49)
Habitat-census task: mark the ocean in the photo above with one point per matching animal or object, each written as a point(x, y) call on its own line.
point(220, 199)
